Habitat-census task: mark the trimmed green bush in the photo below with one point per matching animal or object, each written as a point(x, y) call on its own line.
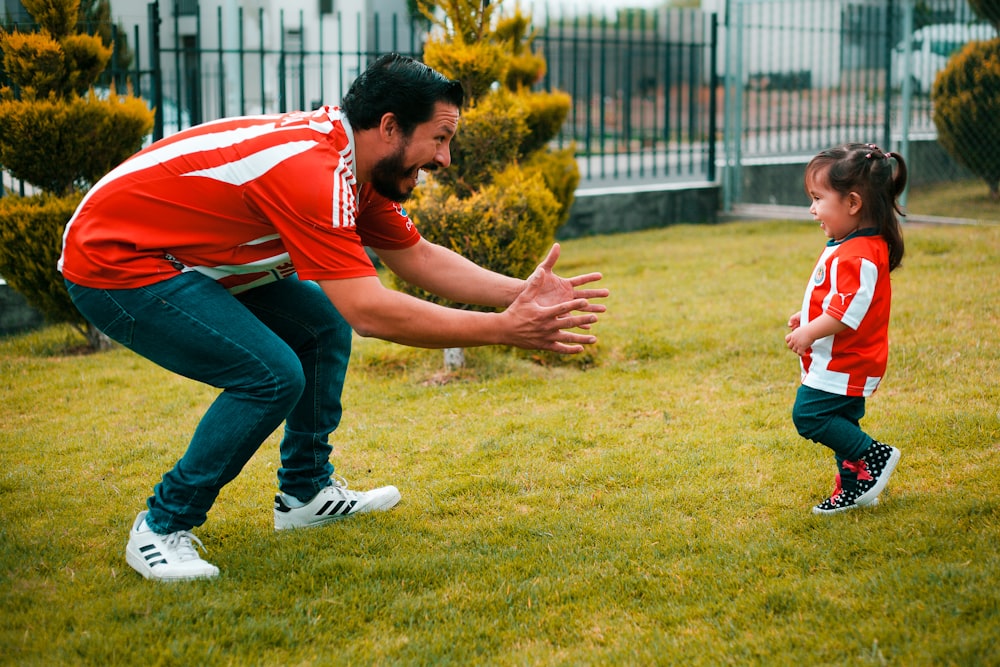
point(61, 139)
point(509, 223)
point(63, 145)
point(31, 231)
point(966, 96)
point(506, 192)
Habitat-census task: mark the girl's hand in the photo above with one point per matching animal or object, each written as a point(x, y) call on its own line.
point(795, 320)
point(798, 341)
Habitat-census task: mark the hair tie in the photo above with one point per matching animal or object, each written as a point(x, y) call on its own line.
point(874, 152)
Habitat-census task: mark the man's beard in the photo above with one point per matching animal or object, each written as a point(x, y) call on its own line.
point(388, 173)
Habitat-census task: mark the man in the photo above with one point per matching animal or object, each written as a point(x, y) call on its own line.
point(233, 253)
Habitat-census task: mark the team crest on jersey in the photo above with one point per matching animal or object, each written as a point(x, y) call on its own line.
point(820, 275)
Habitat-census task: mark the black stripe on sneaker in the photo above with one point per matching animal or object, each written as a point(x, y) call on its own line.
point(154, 558)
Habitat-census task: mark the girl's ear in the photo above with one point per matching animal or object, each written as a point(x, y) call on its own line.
point(854, 203)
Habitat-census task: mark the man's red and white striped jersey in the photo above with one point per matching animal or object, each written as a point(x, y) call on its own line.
point(246, 201)
point(851, 284)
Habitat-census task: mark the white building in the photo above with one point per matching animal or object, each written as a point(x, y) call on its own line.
point(229, 57)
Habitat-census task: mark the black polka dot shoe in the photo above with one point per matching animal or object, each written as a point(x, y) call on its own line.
point(874, 469)
point(841, 500)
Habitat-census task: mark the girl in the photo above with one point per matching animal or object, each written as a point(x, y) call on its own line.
point(841, 333)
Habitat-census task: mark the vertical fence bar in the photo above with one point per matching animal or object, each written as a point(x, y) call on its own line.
point(303, 104)
point(282, 80)
point(177, 58)
point(242, 61)
point(136, 61)
point(887, 82)
point(694, 70)
point(712, 94)
point(260, 51)
point(153, 16)
point(221, 64)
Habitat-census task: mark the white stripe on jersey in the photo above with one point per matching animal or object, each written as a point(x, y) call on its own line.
point(156, 156)
point(254, 166)
point(862, 300)
point(344, 201)
point(226, 270)
point(262, 239)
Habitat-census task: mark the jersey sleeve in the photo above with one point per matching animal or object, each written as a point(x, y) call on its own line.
point(384, 224)
point(852, 283)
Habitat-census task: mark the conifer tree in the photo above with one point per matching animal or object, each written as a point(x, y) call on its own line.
point(507, 192)
point(60, 137)
point(966, 97)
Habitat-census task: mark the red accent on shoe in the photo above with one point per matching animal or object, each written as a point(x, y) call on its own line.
point(860, 467)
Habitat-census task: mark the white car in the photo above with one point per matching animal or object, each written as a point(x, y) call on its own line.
point(929, 51)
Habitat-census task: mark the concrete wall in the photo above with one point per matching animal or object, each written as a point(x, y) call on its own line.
point(15, 313)
point(625, 209)
point(774, 181)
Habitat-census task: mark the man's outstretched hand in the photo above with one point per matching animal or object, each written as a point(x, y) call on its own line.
point(549, 306)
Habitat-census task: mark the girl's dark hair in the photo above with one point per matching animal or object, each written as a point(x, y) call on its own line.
point(402, 86)
point(865, 169)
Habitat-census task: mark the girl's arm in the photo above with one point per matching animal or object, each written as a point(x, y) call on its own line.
point(801, 339)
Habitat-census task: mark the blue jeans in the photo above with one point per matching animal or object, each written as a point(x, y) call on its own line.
point(279, 352)
point(832, 420)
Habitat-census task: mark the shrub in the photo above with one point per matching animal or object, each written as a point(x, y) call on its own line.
point(505, 226)
point(502, 145)
point(60, 141)
point(966, 97)
point(31, 231)
point(490, 138)
point(51, 143)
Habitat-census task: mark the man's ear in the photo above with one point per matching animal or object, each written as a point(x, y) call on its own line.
point(854, 203)
point(388, 127)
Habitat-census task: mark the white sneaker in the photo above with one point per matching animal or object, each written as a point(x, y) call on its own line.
point(332, 503)
point(170, 557)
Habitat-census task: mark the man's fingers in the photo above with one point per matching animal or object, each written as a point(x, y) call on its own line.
point(550, 260)
point(586, 278)
point(576, 321)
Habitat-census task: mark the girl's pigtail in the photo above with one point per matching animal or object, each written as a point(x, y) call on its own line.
point(893, 232)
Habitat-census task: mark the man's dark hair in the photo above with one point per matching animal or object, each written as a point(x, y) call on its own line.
point(402, 86)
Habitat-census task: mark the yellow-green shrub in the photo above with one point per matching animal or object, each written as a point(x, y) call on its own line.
point(561, 174)
point(966, 96)
point(31, 231)
point(544, 113)
point(58, 141)
point(507, 191)
point(59, 145)
point(506, 226)
point(490, 137)
point(476, 65)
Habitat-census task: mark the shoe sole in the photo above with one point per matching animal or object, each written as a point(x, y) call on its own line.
point(871, 495)
point(855, 506)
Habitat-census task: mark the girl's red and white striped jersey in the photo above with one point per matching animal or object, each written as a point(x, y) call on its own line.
point(246, 201)
point(851, 284)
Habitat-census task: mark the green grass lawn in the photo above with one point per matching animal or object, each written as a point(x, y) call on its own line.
point(649, 504)
point(968, 199)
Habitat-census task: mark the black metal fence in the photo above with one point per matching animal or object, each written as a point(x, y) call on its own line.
point(656, 96)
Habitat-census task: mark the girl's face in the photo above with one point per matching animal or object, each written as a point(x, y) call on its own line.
point(838, 215)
